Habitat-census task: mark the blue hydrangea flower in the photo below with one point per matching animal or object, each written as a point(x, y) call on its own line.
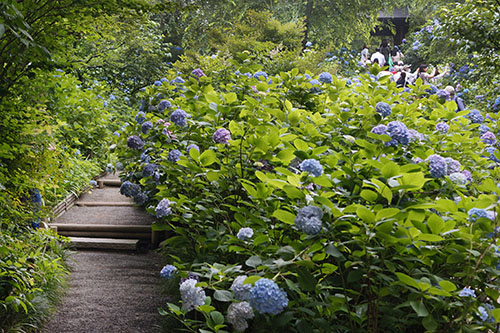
point(164, 104)
point(379, 129)
point(149, 170)
point(485, 313)
point(452, 165)
point(476, 213)
point(240, 290)
point(178, 80)
point(174, 155)
point(157, 83)
point(442, 127)
point(192, 296)
point(491, 151)
point(383, 109)
point(308, 77)
point(93, 183)
point(135, 142)
point(140, 117)
point(415, 135)
point(496, 105)
point(315, 83)
point(309, 44)
point(192, 146)
point(468, 175)
point(238, 314)
point(178, 117)
point(163, 208)
point(325, 77)
point(35, 197)
point(266, 297)
point(245, 233)
point(146, 126)
point(129, 189)
point(458, 178)
point(260, 74)
point(168, 271)
point(475, 116)
point(116, 133)
point(467, 292)
point(483, 129)
point(222, 135)
point(141, 198)
point(312, 166)
point(489, 138)
point(308, 220)
point(398, 132)
point(437, 166)
point(198, 72)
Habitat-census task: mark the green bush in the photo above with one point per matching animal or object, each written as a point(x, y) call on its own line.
point(398, 242)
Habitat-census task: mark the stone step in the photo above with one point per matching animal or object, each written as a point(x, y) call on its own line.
point(108, 215)
point(106, 194)
point(104, 243)
point(109, 182)
point(105, 234)
point(101, 227)
point(97, 204)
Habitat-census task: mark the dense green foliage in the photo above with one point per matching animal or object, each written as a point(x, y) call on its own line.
point(386, 257)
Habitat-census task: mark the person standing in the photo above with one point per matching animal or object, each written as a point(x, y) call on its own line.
point(365, 55)
point(378, 58)
point(460, 102)
point(396, 54)
point(385, 49)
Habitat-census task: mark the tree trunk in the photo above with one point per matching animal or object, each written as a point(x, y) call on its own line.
point(309, 8)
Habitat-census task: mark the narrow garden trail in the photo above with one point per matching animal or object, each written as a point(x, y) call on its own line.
point(109, 290)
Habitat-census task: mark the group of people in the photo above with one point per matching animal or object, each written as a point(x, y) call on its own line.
point(401, 73)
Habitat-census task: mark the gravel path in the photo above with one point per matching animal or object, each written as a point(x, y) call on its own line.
point(115, 292)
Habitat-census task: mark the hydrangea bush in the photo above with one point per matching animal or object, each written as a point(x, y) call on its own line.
point(304, 209)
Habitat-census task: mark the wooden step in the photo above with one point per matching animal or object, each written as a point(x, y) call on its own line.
point(101, 203)
point(101, 227)
point(104, 243)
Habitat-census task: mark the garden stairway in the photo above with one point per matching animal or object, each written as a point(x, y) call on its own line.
point(105, 219)
point(112, 287)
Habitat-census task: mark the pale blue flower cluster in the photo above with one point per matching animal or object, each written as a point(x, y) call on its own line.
point(192, 146)
point(437, 166)
point(415, 135)
point(93, 183)
point(260, 74)
point(110, 168)
point(266, 297)
point(309, 44)
point(222, 135)
point(467, 292)
point(240, 290)
point(163, 208)
point(476, 213)
point(489, 138)
point(383, 109)
point(312, 166)
point(245, 233)
point(174, 155)
point(149, 170)
point(238, 314)
point(168, 271)
point(192, 296)
point(325, 77)
point(458, 178)
point(146, 126)
point(308, 220)
point(135, 142)
point(475, 116)
point(485, 313)
point(442, 127)
point(178, 117)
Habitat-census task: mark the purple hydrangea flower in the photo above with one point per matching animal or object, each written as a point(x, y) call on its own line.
point(198, 72)
point(312, 166)
point(379, 129)
point(415, 135)
point(146, 126)
point(174, 155)
point(437, 166)
point(245, 233)
point(191, 276)
point(149, 170)
point(178, 117)
point(222, 135)
point(325, 77)
point(483, 129)
point(163, 208)
point(140, 117)
point(475, 116)
point(266, 297)
point(383, 109)
point(308, 220)
point(168, 271)
point(489, 138)
point(141, 198)
point(468, 175)
point(492, 151)
point(398, 132)
point(192, 146)
point(442, 127)
point(164, 104)
point(452, 165)
point(135, 142)
point(129, 189)
point(93, 183)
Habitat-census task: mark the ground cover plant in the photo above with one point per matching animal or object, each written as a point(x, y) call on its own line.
point(303, 202)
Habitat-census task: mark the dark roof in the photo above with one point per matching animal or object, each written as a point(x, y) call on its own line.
point(397, 13)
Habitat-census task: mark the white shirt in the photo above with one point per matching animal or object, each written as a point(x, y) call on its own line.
point(365, 55)
point(380, 58)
